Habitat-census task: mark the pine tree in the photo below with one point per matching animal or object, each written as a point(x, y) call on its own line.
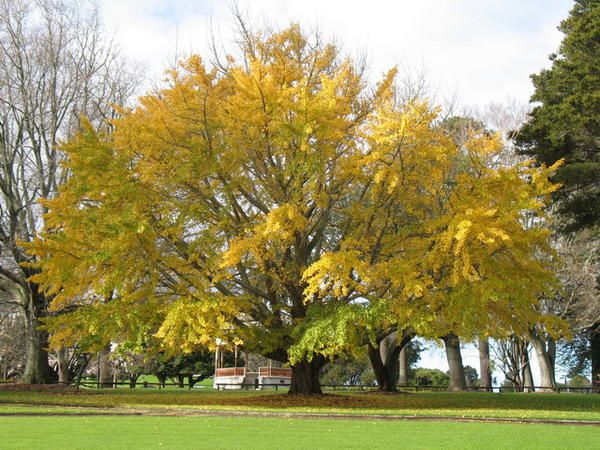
point(565, 123)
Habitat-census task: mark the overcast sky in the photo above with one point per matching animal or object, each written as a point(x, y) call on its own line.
point(480, 51)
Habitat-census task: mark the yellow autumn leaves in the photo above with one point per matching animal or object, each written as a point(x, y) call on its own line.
point(247, 197)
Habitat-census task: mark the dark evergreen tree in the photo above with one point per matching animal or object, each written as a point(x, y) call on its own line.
point(565, 121)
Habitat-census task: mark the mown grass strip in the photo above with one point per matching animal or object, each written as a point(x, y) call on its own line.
point(289, 433)
point(520, 406)
point(156, 410)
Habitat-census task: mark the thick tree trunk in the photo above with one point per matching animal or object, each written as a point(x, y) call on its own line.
point(37, 367)
point(485, 372)
point(527, 375)
point(305, 377)
point(385, 360)
point(455, 365)
point(551, 348)
point(105, 378)
point(389, 350)
point(403, 367)
point(62, 360)
point(546, 363)
point(595, 351)
point(384, 373)
point(82, 362)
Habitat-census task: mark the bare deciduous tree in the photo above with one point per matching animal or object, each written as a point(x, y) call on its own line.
point(12, 342)
point(580, 278)
point(512, 357)
point(56, 64)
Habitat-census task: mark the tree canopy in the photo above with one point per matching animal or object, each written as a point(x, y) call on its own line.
point(565, 121)
point(277, 199)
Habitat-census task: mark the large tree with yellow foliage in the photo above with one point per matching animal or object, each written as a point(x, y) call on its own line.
point(280, 200)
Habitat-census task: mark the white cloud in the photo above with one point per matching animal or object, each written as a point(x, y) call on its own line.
point(485, 50)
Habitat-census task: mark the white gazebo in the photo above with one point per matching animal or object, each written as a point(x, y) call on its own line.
point(240, 377)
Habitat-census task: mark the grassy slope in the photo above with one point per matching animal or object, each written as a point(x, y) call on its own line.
point(557, 406)
point(223, 432)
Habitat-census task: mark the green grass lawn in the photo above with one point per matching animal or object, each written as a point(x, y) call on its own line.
point(521, 406)
point(170, 384)
point(189, 430)
point(263, 433)
point(51, 410)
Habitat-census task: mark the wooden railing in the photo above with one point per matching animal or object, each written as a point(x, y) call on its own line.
point(230, 372)
point(280, 372)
